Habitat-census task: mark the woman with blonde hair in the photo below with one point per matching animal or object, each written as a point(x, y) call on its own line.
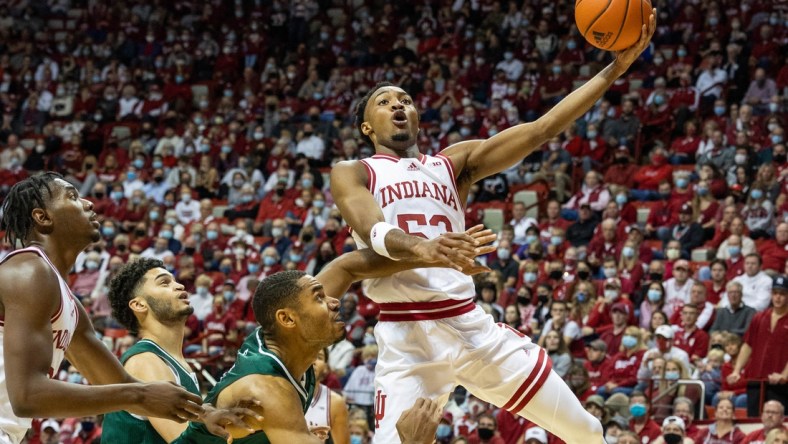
point(706, 208)
point(630, 269)
point(582, 302)
point(625, 364)
point(777, 436)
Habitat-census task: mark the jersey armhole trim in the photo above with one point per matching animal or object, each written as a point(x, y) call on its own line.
point(371, 178)
point(450, 169)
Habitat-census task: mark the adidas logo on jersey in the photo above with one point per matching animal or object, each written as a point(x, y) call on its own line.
point(412, 167)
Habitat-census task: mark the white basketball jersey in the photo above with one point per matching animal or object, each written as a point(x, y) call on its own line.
point(64, 322)
point(420, 196)
point(319, 412)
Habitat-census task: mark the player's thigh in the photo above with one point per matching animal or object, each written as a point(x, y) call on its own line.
point(396, 390)
point(502, 366)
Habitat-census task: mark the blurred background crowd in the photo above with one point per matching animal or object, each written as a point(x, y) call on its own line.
point(644, 247)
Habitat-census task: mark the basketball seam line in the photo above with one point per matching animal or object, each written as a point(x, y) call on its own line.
point(596, 18)
point(623, 22)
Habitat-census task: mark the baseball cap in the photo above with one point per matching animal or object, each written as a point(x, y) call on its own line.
point(780, 283)
point(230, 282)
point(620, 306)
point(448, 417)
point(618, 420)
point(536, 433)
point(674, 420)
point(612, 282)
point(597, 400)
point(686, 209)
point(634, 227)
point(665, 331)
point(51, 423)
point(598, 345)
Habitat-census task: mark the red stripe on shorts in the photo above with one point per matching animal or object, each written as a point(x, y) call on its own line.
point(548, 367)
point(424, 311)
point(517, 394)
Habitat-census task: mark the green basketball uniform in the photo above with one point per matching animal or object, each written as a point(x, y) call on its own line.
point(253, 359)
point(123, 427)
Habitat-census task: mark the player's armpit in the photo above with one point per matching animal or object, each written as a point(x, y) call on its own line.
point(283, 420)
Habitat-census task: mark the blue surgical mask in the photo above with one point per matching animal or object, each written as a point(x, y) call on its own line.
point(659, 100)
point(276, 232)
point(776, 139)
point(703, 191)
point(269, 261)
point(212, 235)
point(131, 175)
point(719, 111)
point(571, 44)
point(734, 250)
point(621, 199)
point(229, 295)
point(531, 238)
point(91, 265)
point(556, 240)
point(556, 70)
point(167, 234)
point(157, 164)
point(117, 195)
point(637, 410)
point(529, 277)
point(681, 52)
point(319, 204)
point(154, 215)
point(756, 194)
point(202, 291)
point(227, 149)
point(609, 272)
point(654, 295)
point(628, 252)
point(139, 163)
point(581, 297)
point(246, 198)
point(108, 231)
point(629, 341)
point(226, 269)
point(204, 148)
point(296, 257)
point(172, 221)
point(306, 183)
point(682, 183)
point(591, 134)
point(356, 439)
point(504, 253)
point(672, 375)
point(444, 431)
point(75, 378)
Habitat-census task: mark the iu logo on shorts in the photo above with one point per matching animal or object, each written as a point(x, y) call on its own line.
point(380, 408)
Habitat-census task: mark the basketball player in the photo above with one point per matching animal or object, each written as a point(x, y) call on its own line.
point(147, 300)
point(327, 414)
point(41, 322)
point(396, 202)
point(298, 319)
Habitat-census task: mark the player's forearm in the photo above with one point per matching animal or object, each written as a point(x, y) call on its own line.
point(55, 399)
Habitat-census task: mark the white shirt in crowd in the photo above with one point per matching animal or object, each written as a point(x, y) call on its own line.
point(756, 291)
point(676, 295)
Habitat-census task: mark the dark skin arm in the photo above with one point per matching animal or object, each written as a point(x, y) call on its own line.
point(343, 271)
point(476, 159)
point(28, 305)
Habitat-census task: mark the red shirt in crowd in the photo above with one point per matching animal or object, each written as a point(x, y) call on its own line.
point(649, 176)
point(650, 430)
point(774, 255)
point(625, 369)
point(599, 373)
point(756, 437)
point(695, 343)
point(769, 353)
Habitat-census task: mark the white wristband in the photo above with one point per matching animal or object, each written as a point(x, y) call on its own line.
point(377, 237)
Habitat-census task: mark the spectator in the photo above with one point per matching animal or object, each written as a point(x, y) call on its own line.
point(625, 364)
point(673, 432)
point(535, 435)
point(597, 363)
point(555, 169)
point(652, 303)
point(736, 316)
point(622, 171)
point(580, 233)
point(486, 432)
point(711, 81)
point(737, 227)
point(760, 92)
point(640, 423)
point(772, 417)
point(775, 251)
point(677, 288)
point(622, 131)
point(688, 233)
point(202, 299)
point(560, 322)
point(611, 334)
point(558, 352)
point(758, 212)
point(664, 348)
point(593, 192)
point(505, 264)
point(689, 337)
point(762, 355)
point(684, 408)
point(359, 389)
point(723, 430)
point(756, 284)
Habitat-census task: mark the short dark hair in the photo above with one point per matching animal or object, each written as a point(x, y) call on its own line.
point(718, 262)
point(756, 256)
point(273, 293)
point(22, 199)
point(361, 107)
point(123, 288)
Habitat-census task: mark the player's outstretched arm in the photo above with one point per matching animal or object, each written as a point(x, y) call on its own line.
point(362, 212)
point(343, 271)
point(27, 354)
point(479, 159)
point(284, 417)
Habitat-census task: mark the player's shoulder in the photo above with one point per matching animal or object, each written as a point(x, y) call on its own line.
point(349, 170)
point(27, 269)
point(148, 366)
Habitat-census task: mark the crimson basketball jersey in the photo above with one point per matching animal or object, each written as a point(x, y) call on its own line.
point(64, 322)
point(420, 196)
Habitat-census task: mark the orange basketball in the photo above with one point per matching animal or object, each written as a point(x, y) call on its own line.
point(611, 25)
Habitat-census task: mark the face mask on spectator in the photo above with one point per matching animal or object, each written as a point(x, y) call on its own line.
point(154, 215)
point(581, 297)
point(756, 194)
point(734, 250)
point(75, 378)
point(629, 341)
point(773, 107)
point(719, 111)
point(167, 234)
point(91, 265)
point(672, 254)
point(504, 254)
point(682, 183)
point(556, 240)
point(202, 291)
point(252, 268)
point(211, 234)
point(672, 375)
point(628, 252)
point(277, 232)
point(530, 277)
point(108, 231)
point(609, 272)
point(531, 238)
point(269, 261)
point(654, 295)
point(637, 410)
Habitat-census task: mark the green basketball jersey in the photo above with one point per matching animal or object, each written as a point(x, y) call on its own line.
point(123, 427)
point(253, 359)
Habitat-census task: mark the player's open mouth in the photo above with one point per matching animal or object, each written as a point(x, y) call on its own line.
point(184, 296)
point(399, 118)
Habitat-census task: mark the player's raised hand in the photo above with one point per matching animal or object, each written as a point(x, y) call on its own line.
point(628, 56)
point(418, 424)
point(169, 401)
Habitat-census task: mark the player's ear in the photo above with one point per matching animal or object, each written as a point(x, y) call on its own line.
point(41, 218)
point(285, 318)
point(138, 305)
point(366, 129)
